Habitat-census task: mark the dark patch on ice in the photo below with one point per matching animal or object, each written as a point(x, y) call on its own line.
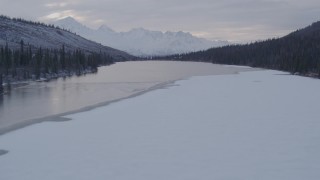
point(3, 152)
point(257, 81)
point(59, 119)
point(54, 118)
point(284, 74)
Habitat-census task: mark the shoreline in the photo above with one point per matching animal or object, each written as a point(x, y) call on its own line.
point(60, 117)
point(158, 85)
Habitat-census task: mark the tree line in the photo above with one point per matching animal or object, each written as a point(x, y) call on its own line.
point(32, 22)
point(27, 62)
point(297, 53)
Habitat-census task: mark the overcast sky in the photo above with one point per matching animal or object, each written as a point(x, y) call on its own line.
point(235, 20)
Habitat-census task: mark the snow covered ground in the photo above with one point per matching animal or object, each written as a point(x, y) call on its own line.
point(261, 125)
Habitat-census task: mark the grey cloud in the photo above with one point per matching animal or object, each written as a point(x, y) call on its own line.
point(244, 20)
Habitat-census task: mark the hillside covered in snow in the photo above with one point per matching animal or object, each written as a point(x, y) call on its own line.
point(141, 42)
point(12, 31)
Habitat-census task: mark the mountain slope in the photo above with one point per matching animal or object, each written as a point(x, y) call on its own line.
point(141, 42)
point(298, 53)
point(40, 35)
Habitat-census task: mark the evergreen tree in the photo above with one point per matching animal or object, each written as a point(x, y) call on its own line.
point(55, 62)
point(47, 61)
point(7, 59)
point(1, 69)
point(38, 61)
point(63, 57)
point(22, 55)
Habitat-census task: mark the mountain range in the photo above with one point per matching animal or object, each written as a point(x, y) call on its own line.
point(297, 53)
point(139, 41)
point(12, 31)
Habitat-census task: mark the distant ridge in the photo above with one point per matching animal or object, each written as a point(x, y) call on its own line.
point(12, 31)
point(141, 42)
point(297, 53)
point(36, 51)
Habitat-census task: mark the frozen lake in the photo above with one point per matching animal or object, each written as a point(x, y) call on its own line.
point(47, 100)
point(253, 125)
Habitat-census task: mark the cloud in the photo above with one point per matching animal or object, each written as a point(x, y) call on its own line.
point(55, 5)
point(58, 15)
point(244, 20)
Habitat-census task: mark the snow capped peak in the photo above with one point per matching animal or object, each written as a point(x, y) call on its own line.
point(182, 33)
point(140, 41)
point(105, 28)
point(49, 37)
point(179, 34)
point(139, 30)
point(69, 21)
point(71, 24)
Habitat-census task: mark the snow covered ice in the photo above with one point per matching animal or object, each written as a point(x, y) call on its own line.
point(254, 125)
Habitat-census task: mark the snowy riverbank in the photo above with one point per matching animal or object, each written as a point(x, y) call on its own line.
point(254, 125)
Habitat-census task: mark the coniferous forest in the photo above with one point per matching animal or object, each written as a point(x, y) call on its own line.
point(28, 63)
point(37, 51)
point(297, 53)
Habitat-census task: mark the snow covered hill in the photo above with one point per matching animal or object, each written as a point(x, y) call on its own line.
point(12, 31)
point(139, 41)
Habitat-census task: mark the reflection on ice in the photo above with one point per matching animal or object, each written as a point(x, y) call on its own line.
point(42, 99)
